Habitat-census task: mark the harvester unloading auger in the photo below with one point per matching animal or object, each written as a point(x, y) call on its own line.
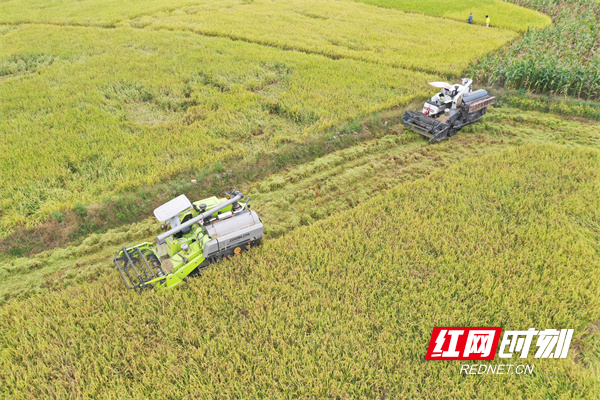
point(197, 234)
point(448, 111)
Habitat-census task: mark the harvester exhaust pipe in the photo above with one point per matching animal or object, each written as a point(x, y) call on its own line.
point(160, 239)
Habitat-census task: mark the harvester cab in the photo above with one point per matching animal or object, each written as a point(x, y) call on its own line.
point(444, 114)
point(196, 235)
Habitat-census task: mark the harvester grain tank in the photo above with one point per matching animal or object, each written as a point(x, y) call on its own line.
point(448, 111)
point(196, 235)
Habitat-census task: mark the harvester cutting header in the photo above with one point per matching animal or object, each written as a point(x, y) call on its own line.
point(448, 111)
point(197, 234)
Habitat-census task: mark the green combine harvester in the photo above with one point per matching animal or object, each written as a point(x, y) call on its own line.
point(197, 234)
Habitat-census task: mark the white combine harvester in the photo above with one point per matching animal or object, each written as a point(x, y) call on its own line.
point(448, 111)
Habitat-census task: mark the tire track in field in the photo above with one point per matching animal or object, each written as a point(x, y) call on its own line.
point(394, 159)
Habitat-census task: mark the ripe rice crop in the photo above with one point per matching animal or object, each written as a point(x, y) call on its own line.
point(504, 15)
point(346, 178)
point(344, 307)
point(90, 12)
point(562, 59)
point(119, 108)
point(309, 192)
point(99, 111)
point(109, 13)
point(89, 112)
point(340, 29)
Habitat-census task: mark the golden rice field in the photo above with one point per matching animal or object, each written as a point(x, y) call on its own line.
point(310, 192)
point(366, 248)
point(89, 12)
point(97, 98)
point(503, 15)
point(107, 110)
point(344, 307)
point(111, 12)
point(340, 29)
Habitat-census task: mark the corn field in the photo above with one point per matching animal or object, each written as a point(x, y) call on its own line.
point(562, 59)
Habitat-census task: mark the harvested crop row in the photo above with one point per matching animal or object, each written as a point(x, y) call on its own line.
point(309, 192)
point(119, 108)
point(340, 29)
point(345, 307)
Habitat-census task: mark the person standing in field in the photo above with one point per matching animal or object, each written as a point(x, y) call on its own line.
point(470, 19)
point(487, 21)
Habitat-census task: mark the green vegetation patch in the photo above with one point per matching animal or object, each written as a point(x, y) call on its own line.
point(345, 307)
point(99, 111)
point(552, 104)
